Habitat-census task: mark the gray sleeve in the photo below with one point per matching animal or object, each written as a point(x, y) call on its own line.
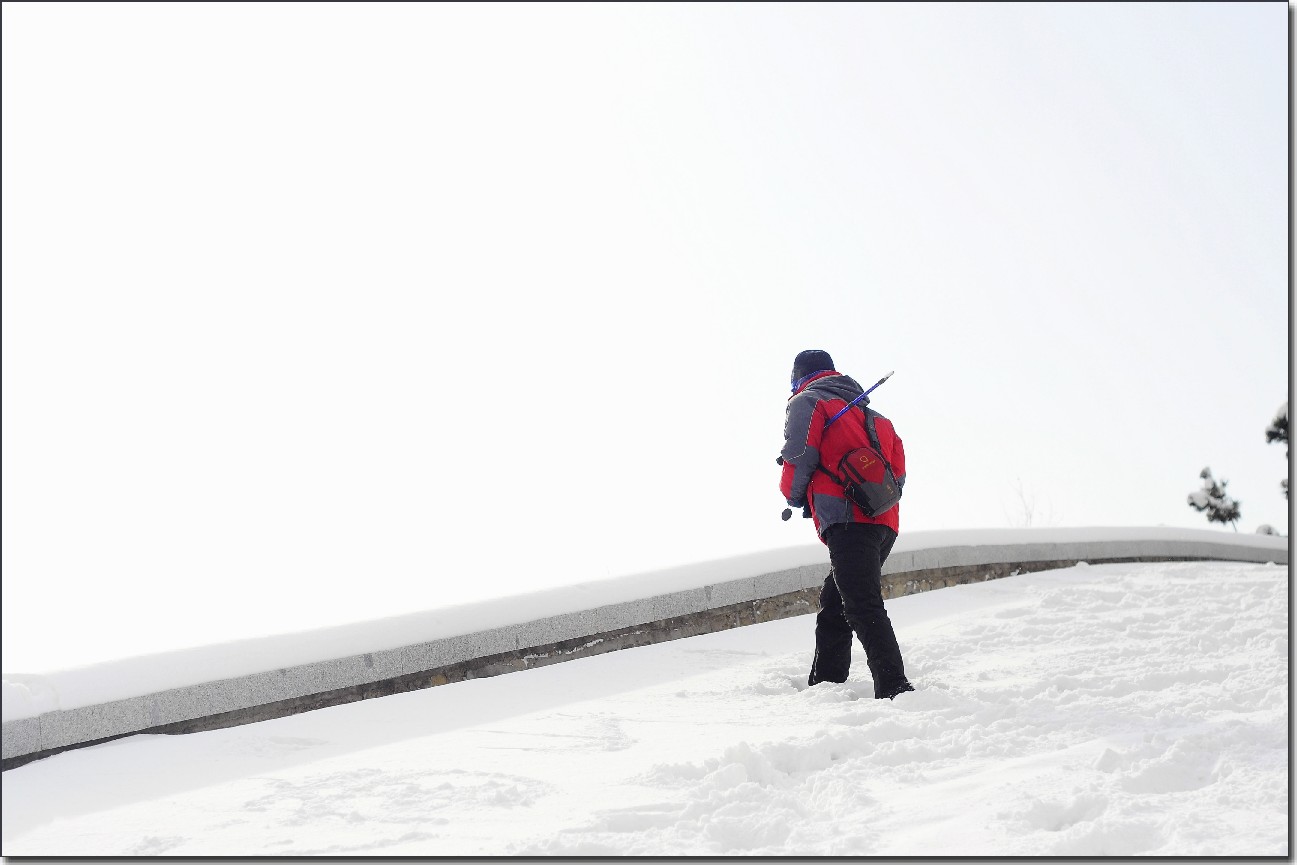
point(798, 452)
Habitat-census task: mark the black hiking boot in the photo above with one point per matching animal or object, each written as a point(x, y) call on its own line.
point(892, 692)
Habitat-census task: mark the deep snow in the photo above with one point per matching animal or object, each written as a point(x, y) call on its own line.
point(1105, 710)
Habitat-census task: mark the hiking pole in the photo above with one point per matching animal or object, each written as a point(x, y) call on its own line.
point(848, 406)
point(806, 511)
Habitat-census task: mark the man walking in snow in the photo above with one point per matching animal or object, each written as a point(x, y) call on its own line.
point(852, 598)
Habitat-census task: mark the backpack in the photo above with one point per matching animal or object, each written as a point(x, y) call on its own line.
point(865, 475)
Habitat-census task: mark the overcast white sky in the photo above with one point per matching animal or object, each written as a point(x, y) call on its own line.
point(406, 304)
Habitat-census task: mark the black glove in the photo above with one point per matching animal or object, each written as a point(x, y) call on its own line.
point(788, 513)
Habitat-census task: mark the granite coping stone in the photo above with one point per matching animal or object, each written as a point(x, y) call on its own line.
point(208, 698)
point(21, 737)
point(306, 679)
point(64, 728)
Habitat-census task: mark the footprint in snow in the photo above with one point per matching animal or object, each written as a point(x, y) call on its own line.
point(1057, 815)
point(152, 845)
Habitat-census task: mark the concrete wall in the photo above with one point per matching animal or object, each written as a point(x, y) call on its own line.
point(552, 639)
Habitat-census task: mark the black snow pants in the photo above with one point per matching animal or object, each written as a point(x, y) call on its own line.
point(852, 602)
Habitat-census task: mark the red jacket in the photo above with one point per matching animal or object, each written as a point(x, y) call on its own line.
point(807, 446)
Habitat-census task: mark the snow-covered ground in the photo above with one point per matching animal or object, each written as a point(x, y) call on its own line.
point(1103, 710)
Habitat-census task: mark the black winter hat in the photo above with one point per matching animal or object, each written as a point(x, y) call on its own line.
point(810, 361)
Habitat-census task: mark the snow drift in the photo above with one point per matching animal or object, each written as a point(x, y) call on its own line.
point(1125, 709)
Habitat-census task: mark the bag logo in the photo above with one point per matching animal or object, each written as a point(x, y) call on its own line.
point(865, 461)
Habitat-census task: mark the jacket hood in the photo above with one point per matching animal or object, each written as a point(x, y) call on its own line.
point(836, 386)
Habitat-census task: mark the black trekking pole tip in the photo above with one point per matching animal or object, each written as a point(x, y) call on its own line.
point(788, 514)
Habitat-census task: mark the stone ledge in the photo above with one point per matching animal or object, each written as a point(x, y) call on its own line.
point(690, 625)
point(691, 612)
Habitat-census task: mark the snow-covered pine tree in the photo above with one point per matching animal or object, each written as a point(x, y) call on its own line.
point(1278, 432)
point(1212, 499)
